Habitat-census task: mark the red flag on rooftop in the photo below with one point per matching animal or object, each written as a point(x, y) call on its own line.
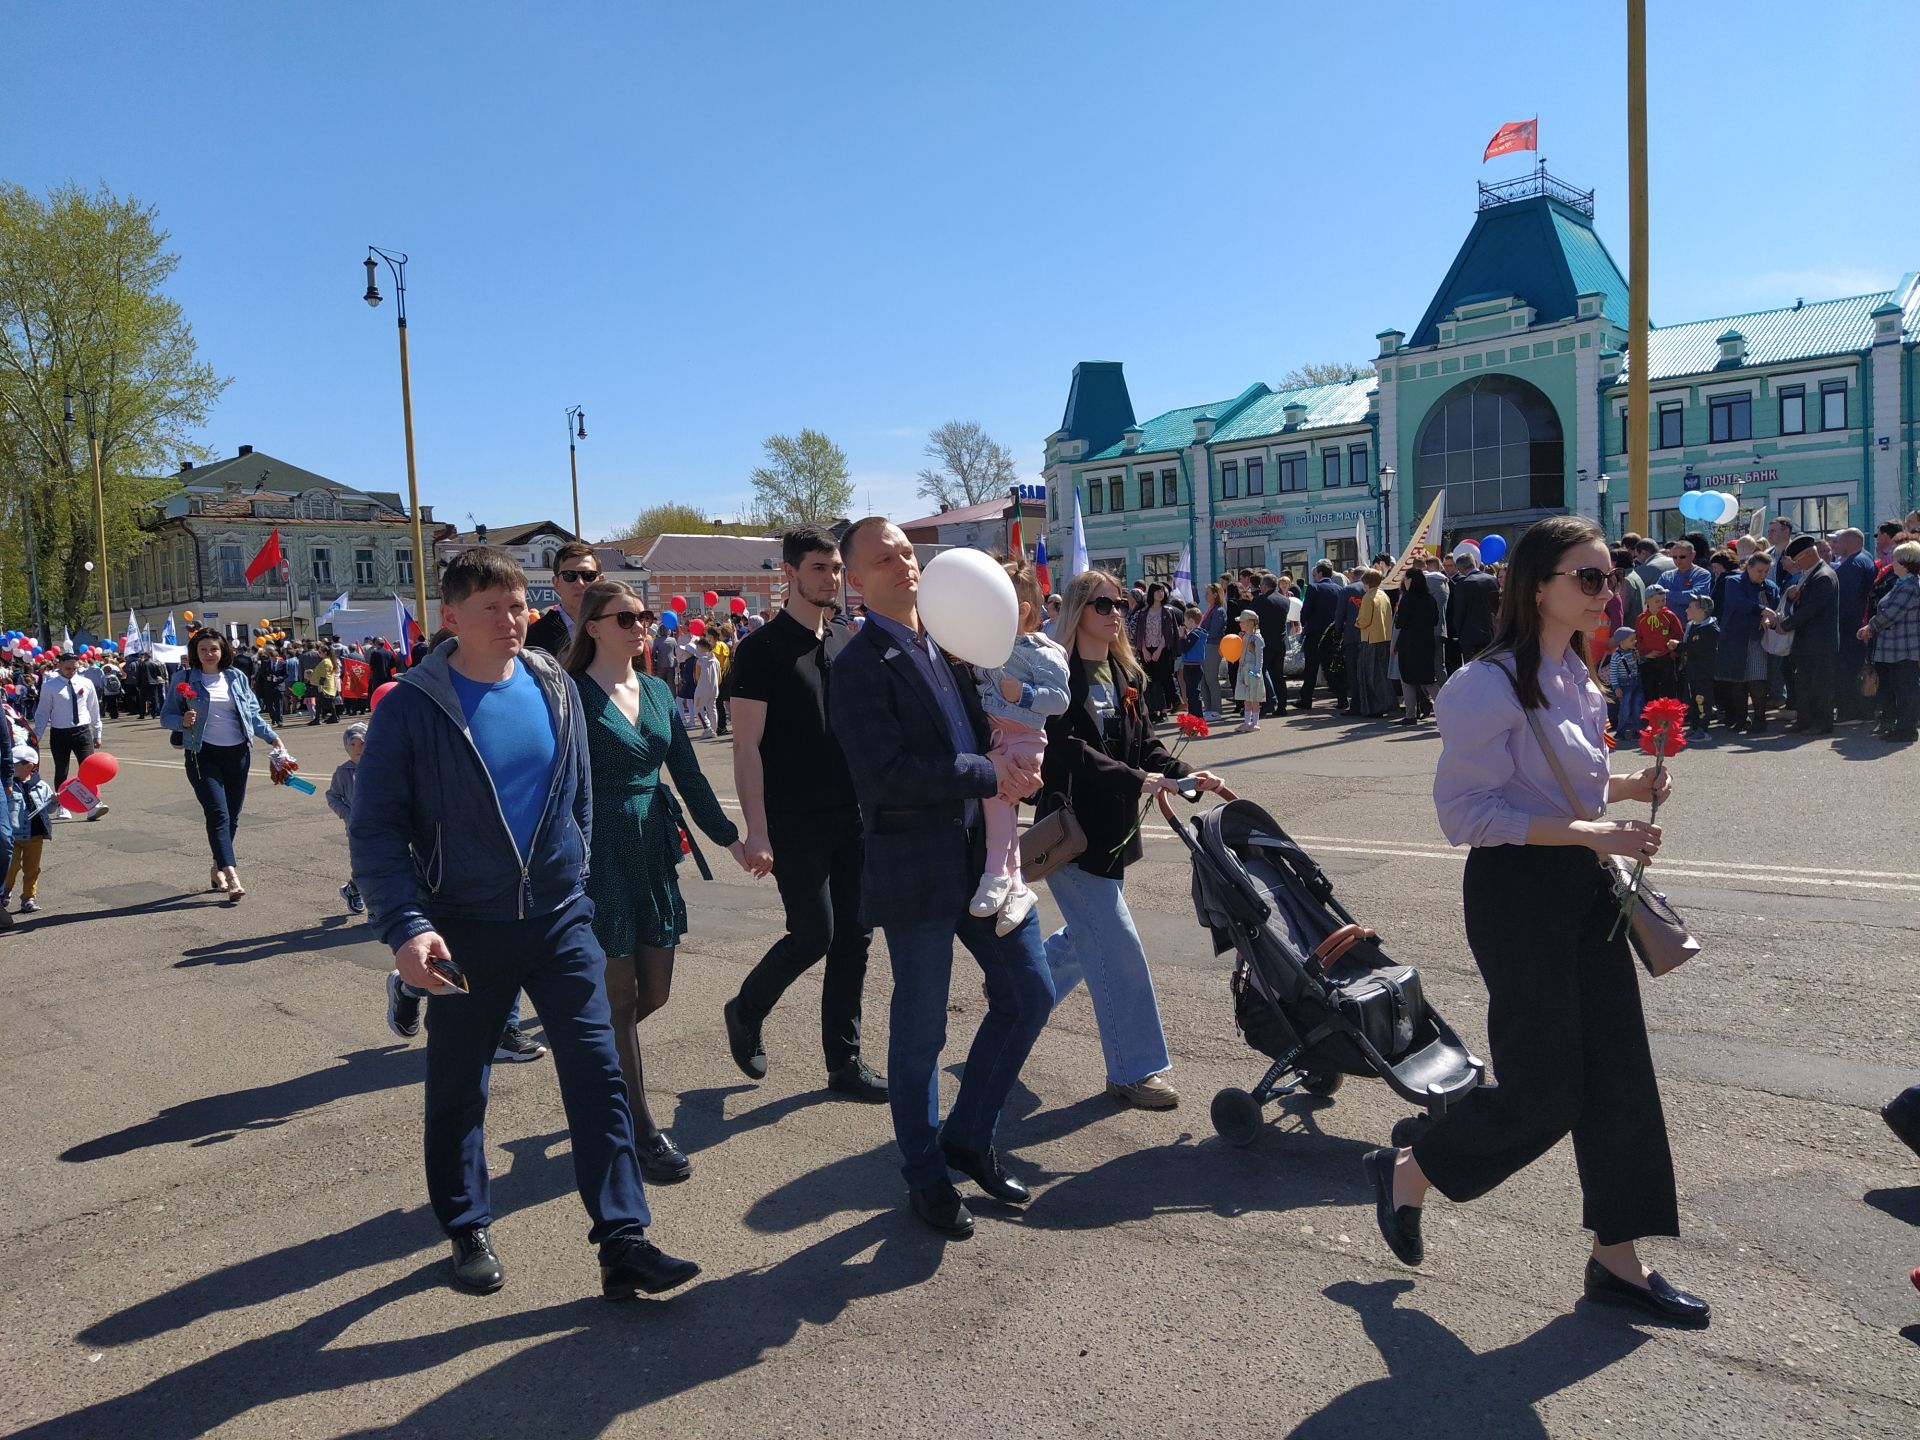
point(1515, 135)
point(268, 559)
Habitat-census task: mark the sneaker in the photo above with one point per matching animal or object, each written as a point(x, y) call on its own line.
point(743, 1042)
point(990, 895)
point(1019, 905)
point(517, 1047)
point(403, 1010)
point(29, 905)
point(350, 893)
point(98, 811)
point(860, 1081)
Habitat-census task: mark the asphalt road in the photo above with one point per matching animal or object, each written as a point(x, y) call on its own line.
point(213, 1218)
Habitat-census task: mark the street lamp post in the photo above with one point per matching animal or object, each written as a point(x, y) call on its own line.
point(1381, 489)
point(397, 265)
point(1600, 492)
point(90, 399)
point(575, 416)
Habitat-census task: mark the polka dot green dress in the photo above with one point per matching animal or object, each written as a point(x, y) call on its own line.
point(636, 844)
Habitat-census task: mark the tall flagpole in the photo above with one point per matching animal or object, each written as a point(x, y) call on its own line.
point(1639, 436)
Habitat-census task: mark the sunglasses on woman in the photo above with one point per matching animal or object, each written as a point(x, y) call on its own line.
point(1107, 604)
point(1592, 579)
point(625, 619)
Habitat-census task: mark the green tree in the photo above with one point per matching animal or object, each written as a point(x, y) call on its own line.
point(804, 480)
point(82, 306)
point(973, 465)
point(670, 518)
point(1323, 372)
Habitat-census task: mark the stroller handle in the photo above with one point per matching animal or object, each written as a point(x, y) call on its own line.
point(1179, 825)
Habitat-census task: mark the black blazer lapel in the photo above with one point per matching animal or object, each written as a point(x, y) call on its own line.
point(906, 672)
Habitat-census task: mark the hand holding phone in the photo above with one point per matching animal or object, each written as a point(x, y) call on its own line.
point(426, 963)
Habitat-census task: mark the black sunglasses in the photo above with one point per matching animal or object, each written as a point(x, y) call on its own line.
point(578, 577)
point(1591, 577)
point(625, 619)
point(1107, 604)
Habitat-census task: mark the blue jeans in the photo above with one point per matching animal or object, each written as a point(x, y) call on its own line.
point(1019, 999)
point(6, 834)
point(1099, 945)
point(218, 774)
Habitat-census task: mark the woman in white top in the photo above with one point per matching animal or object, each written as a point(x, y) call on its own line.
point(1564, 1024)
point(214, 711)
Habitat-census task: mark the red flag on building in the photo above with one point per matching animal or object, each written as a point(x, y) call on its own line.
point(268, 559)
point(1515, 135)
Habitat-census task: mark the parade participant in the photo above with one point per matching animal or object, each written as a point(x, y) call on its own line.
point(1319, 609)
point(575, 567)
point(1213, 622)
point(1371, 697)
point(29, 807)
point(1417, 643)
point(639, 915)
point(1565, 1028)
point(1813, 621)
point(1894, 633)
point(706, 687)
point(68, 716)
point(1659, 630)
point(1701, 648)
point(340, 800)
point(217, 717)
point(1155, 631)
point(1853, 601)
point(1473, 602)
point(1103, 759)
point(470, 829)
point(1625, 694)
point(916, 745)
point(1193, 663)
point(1685, 578)
point(1351, 595)
point(1250, 685)
point(1740, 673)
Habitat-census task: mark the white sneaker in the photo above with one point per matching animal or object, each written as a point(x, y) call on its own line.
point(991, 895)
point(1019, 905)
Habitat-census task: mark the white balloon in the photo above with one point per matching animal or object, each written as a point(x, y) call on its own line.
point(968, 606)
point(1729, 507)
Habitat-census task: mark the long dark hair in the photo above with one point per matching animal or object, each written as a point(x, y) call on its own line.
point(599, 595)
point(1530, 564)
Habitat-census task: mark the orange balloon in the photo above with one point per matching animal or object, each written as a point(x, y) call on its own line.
point(187, 615)
point(1230, 647)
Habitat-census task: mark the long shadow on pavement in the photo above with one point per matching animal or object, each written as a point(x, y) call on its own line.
point(194, 901)
point(214, 1118)
point(1435, 1385)
point(335, 931)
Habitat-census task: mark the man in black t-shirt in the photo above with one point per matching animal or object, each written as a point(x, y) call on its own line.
point(802, 821)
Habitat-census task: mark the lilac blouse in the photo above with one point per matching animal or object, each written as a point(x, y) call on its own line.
point(1492, 777)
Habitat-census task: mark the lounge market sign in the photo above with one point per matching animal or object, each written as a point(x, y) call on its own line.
point(1289, 519)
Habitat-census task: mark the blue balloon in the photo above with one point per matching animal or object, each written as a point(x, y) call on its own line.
point(1493, 549)
point(669, 621)
point(1690, 504)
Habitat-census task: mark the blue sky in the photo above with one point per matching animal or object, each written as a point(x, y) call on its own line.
point(712, 222)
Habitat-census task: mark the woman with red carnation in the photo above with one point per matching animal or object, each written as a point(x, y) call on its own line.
point(1523, 778)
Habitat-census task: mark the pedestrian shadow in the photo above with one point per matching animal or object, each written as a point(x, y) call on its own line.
point(700, 1117)
point(1902, 1203)
point(215, 1118)
point(1436, 1385)
point(334, 931)
point(191, 901)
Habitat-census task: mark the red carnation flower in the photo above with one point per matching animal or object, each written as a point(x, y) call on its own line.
point(183, 690)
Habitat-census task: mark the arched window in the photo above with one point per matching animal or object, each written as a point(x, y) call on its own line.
point(1495, 443)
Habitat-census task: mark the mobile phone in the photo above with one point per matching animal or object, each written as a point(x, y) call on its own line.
point(1188, 787)
point(448, 973)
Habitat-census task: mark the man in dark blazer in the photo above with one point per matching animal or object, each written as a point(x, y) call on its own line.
point(575, 567)
point(1473, 603)
point(1854, 571)
point(1319, 608)
point(1351, 595)
point(1814, 622)
point(916, 742)
point(1271, 607)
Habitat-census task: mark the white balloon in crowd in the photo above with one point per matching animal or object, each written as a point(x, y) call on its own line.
point(968, 606)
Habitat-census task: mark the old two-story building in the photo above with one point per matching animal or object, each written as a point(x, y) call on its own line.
point(532, 544)
point(985, 526)
point(1509, 396)
point(202, 536)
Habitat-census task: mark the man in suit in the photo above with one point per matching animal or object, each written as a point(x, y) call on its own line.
point(1351, 595)
point(1319, 608)
point(575, 567)
point(1853, 570)
point(1814, 622)
point(1271, 607)
point(1473, 603)
point(916, 742)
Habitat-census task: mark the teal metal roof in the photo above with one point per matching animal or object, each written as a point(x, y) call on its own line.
point(1171, 431)
point(1342, 403)
point(1803, 332)
point(1098, 406)
point(1590, 266)
point(1539, 249)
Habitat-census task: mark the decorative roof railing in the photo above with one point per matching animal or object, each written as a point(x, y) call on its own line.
point(1539, 182)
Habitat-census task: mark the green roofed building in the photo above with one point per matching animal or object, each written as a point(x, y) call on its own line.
point(1508, 398)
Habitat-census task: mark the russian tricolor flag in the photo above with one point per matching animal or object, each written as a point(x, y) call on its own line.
point(407, 628)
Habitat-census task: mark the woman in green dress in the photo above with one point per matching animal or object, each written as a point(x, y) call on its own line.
point(633, 727)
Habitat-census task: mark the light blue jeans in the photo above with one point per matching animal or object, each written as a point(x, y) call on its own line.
point(1099, 945)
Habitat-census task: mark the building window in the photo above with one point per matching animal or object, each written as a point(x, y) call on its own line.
point(1729, 417)
point(1169, 487)
point(1246, 557)
point(1053, 508)
point(1671, 431)
point(1357, 465)
point(1290, 473)
point(1815, 514)
point(322, 565)
point(1833, 405)
point(1117, 493)
point(1158, 568)
point(1793, 411)
point(1495, 444)
point(1096, 496)
point(1148, 495)
point(363, 567)
point(403, 564)
point(233, 567)
point(1345, 554)
point(1329, 469)
point(1230, 480)
point(1256, 477)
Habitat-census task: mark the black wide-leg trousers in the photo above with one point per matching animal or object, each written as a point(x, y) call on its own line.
point(1568, 1042)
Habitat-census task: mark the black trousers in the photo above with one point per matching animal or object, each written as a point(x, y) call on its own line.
point(1311, 640)
point(816, 864)
point(1852, 667)
point(1813, 681)
point(1569, 1046)
point(1743, 703)
point(1660, 678)
point(1162, 694)
point(71, 744)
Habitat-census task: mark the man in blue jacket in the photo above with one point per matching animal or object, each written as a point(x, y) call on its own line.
point(469, 834)
point(1319, 608)
point(916, 743)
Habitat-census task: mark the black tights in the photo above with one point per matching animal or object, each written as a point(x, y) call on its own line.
point(637, 985)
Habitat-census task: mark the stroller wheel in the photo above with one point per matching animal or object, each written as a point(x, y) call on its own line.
point(1236, 1117)
point(1409, 1129)
point(1322, 1082)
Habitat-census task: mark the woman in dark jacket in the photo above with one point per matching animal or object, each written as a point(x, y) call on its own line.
point(1104, 760)
point(1740, 672)
point(1155, 631)
point(1417, 616)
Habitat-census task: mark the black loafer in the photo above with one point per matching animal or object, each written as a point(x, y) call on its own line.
point(661, 1161)
point(1399, 1226)
point(475, 1266)
point(634, 1264)
point(859, 1081)
point(1659, 1299)
point(983, 1168)
point(941, 1208)
point(1902, 1114)
point(748, 1053)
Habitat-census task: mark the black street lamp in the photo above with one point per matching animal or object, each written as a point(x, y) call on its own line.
point(397, 266)
point(576, 430)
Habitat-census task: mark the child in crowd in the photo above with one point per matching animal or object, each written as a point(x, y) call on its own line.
point(340, 800)
point(706, 685)
point(1623, 684)
point(1250, 686)
point(687, 684)
point(31, 799)
point(1019, 698)
point(1701, 649)
point(1660, 631)
point(1193, 657)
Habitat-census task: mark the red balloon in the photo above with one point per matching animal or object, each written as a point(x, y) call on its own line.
point(679, 604)
point(697, 628)
point(712, 597)
point(97, 769)
point(373, 701)
point(738, 604)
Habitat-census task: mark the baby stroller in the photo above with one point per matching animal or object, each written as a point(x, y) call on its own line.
point(1313, 990)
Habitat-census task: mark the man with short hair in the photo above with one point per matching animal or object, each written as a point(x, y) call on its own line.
point(1813, 621)
point(1473, 603)
point(1685, 579)
point(802, 818)
point(917, 745)
point(1319, 609)
point(69, 716)
point(1648, 563)
point(470, 835)
point(1853, 601)
point(575, 567)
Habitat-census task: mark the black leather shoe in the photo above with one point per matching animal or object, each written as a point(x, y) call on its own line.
point(634, 1263)
point(1399, 1227)
point(984, 1170)
point(661, 1161)
point(1659, 1299)
point(940, 1207)
point(744, 1041)
point(858, 1081)
point(1902, 1114)
point(475, 1266)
